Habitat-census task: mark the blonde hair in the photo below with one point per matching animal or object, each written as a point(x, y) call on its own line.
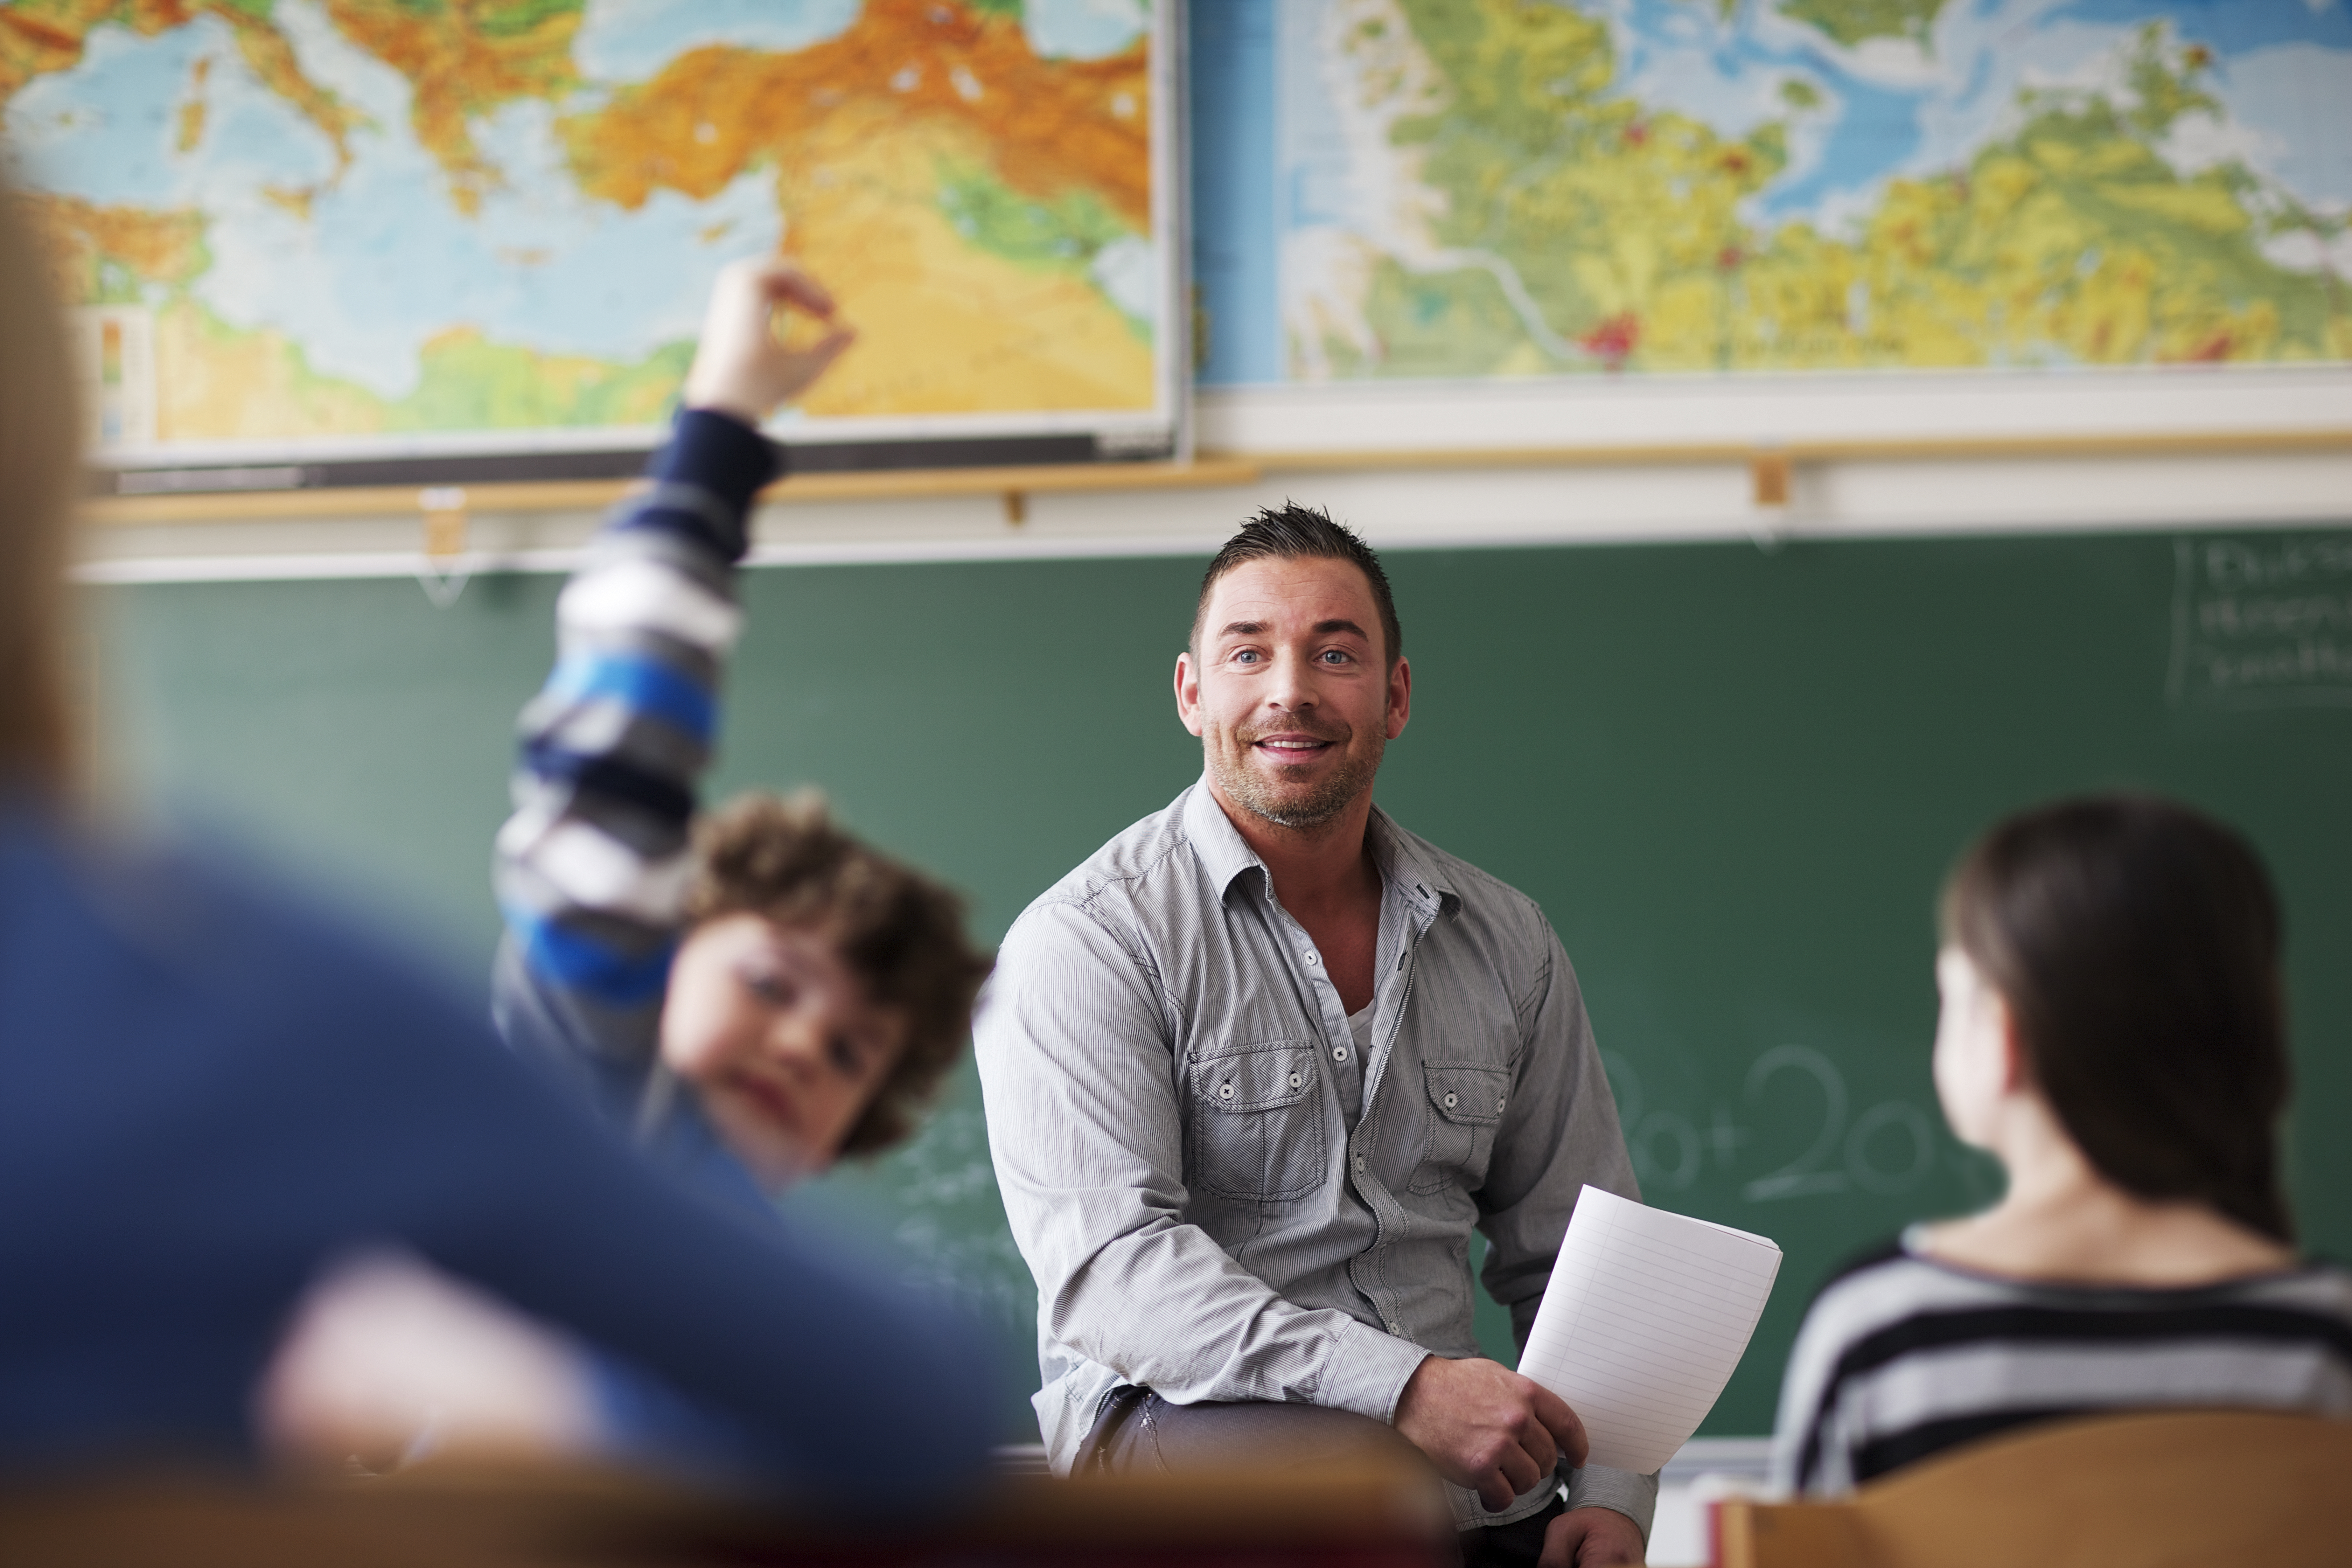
point(40, 440)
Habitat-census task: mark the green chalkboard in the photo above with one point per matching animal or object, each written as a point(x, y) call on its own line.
point(1734, 779)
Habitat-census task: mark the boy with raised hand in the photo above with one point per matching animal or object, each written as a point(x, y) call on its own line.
point(752, 996)
point(761, 995)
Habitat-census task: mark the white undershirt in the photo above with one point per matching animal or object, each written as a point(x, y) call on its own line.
point(1349, 1074)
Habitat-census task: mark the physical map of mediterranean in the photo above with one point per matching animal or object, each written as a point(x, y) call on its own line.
point(1527, 187)
point(302, 224)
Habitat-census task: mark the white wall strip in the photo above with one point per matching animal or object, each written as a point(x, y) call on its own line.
point(1769, 410)
point(326, 566)
point(1395, 510)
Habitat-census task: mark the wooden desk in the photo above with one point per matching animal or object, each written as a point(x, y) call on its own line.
point(479, 1517)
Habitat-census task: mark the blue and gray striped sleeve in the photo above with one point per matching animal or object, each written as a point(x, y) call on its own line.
point(591, 869)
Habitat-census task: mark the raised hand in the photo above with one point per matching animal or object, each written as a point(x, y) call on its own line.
point(743, 366)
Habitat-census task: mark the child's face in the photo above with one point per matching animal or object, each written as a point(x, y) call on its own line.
point(778, 1037)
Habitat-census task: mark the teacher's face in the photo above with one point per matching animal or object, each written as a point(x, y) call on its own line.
point(1290, 689)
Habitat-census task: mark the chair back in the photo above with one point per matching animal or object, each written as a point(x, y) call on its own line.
point(2155, 1491)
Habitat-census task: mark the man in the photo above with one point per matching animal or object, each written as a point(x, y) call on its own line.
point(1256, 1070)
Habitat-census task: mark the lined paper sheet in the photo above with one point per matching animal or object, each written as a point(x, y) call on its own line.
point(1645, 1317)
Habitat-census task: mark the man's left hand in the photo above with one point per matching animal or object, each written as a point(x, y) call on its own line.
point(1588, 1537)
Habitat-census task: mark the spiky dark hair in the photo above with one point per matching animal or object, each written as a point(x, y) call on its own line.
point(1295, 533)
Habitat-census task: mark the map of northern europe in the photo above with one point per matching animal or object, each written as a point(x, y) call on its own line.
point(1483, 188)
point(368, 225)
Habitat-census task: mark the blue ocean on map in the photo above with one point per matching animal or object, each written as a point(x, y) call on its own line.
point(1896, 110)
point(630, 40)
point(386, 261)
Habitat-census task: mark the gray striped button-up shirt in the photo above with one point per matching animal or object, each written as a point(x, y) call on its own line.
point(1163, 1056)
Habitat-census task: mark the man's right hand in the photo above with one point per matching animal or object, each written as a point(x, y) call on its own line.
point(1487, 1427)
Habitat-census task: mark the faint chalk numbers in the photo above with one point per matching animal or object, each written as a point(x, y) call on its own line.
point(1888, 1150)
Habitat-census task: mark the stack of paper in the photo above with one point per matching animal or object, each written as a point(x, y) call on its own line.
point(1645, 1317)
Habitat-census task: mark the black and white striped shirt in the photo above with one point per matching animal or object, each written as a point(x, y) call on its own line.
point(1903, 1356)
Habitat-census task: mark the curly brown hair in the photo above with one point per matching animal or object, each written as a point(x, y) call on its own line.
point(785, 860)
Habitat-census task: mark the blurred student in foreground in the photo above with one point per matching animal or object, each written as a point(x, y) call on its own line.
point(750, 998)
point(212, 1095)
point(2114, 1032)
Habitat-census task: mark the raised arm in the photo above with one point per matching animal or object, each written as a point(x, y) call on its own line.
point(591, 867)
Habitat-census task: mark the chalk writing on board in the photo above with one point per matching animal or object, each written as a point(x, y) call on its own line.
point(1890, 1148)
point(935, 1200)
point(2262, 621)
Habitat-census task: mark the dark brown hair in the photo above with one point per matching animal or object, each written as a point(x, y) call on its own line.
point(1295, 533)
point(900, 933)
point(40, 439)
point(2136, 944)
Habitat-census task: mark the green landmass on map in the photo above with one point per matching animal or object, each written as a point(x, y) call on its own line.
point(1851, 22)
point(1065, 233)
point(1582, 231)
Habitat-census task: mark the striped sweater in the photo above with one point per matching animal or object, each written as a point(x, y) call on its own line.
point(592, 868)
point(1902, 1356)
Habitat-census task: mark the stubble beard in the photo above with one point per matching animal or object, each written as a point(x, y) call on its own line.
point(1299, 809)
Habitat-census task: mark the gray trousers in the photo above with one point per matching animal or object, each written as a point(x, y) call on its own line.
point(1138, 1430)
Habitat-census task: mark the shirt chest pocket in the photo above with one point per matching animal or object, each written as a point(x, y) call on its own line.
point(1257, 1121)
point(1466, 1100)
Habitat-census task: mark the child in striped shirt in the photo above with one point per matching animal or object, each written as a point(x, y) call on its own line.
point(759, 994)
point(2114, 1032)
point(751, 997)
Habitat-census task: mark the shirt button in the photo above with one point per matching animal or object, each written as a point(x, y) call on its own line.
point(1449, 1102)
point(1339, 1053)
point(1499, 1103)
point(1296, 1081)
point(1394, 1329)
point(1314, 958)
point(1226, 1091)
point(1360, 1161)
